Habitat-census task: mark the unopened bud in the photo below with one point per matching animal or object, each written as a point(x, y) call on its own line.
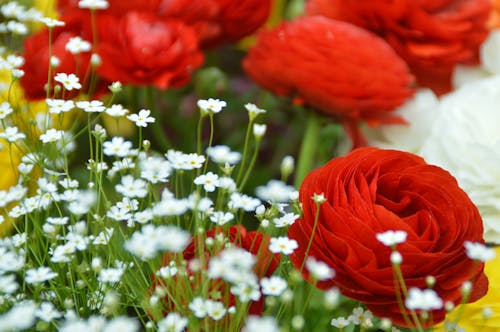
point(287, 166)
point(95, 60)
point(259, 130)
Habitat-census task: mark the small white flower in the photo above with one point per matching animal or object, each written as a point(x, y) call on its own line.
point(274, 191)
point(241, 201)
point(261, 324)
point(116, 111)
point(20, 317)
point(215, 309)
point(118, 146)
point(246, 291)
point(319, 198)
point(144, 216)
point(118, 214)
point(194, 160)
point(58, 220)
point(173, 322)
point(286, 220)
point(5, 109)
point(209, 181)
point(122, 324)
point(222, 154)
point(130, 187)
point(94, 106)
point(76, 45)
point(211, 105)
point(426, 300)
point(283, 245)
point(391, 238)
point(12, 134)
point(69, 82)
point(142, 119)
point(221, 218)
point(319, 270)
point(93, 4)
point(253, 111)
point(340, 322)
point(57, 106)
point(51, 135)
point(199, 307)
point(154, 169)
point(167, 272)
point(111, 275)
point(51, 23)
point(39, 275)
point(479, 252)
point(47, 312)
point(8, 284)
point(273, 285)
point(17, 27)
point(360, 316)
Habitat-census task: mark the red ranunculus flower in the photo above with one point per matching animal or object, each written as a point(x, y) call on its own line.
point(215, 21)
point(36, 56)
point(432, 36)
point(371, 191)
point(336, 67)
point(254, 242)
point(140, 48)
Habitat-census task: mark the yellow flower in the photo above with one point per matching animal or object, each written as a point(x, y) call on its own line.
point(472, 317)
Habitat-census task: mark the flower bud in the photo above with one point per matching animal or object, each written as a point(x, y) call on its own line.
point(430, 281)
point(259, 130)
point(298, 322)
point(95, 60)
point(55, 62)
point(287, 166)
point(396, 258)
point(115, 87)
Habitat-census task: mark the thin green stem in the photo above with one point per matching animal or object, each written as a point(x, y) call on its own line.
point(401, 280)
point(316, 218)
point(250, 166)
point(158, 131)
point(245, 151)
point(307, 148)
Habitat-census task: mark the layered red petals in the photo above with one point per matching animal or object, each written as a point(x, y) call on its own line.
point(336, 67)
point(371, 191)
point(432, 36)
point(215, 21)
point(142, 49)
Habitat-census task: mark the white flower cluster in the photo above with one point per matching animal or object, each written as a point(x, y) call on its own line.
point(132, 208)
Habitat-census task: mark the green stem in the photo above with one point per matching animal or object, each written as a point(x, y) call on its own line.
point(308, 148)
point(316, 218)
point(245, 151)
point(401, 280)
point(250, 166)
point(158, 131)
